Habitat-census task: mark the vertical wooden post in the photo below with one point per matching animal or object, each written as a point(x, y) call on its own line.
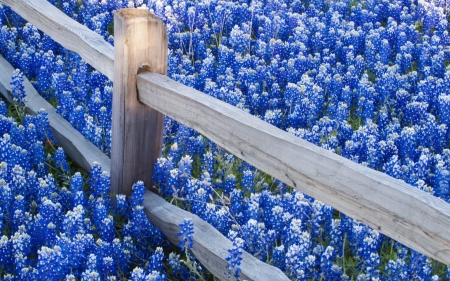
point(139, 39)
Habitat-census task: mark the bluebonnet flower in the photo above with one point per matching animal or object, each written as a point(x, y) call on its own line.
point(141, 229)
point(408, 143)
point(6, 252)
point(422, 165)
point(76, 189)
point(444, 106)
point(73, 222)
point(208, 163)
point(66, 104)
point(121, 205)
point(137, 195)
point(156, 261)
point(237, 205)
point(156, 276)
point(278, 256)
point(221, 219)
point(253, 235)
point(201, 195)
point(394, 269)
point(17, 88)
point(18, 210)
point(92, 132)
point(240, 37)
point(50, 262)
point(60, 160)
point(295, 254)
point(187, 232)
point(175, 265)
point(393, 167)
point(252, 207)
point(43, 127)
point(161, 174)
point(30, 131)
point(326, 263)
point(44, 73)
point(18, 135)
point(99, 183)
point(247, 181)
point(107, 229)
point(230, 183)
point(441, 187)
point(235, 257)
point(91, 272)
point(3, 108)
point(21, 248)
point(138, 274)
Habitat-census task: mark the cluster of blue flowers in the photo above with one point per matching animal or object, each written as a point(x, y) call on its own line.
point(365, 79)
point(81, 95)
point(305, 238)
point(53, 229)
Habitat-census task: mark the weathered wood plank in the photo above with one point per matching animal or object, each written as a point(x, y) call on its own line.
point(210, 246)
point(394, 208)
point(80, 150)
point(67, 32)
point(41, 13)
point(215, 246)
point(140, 39)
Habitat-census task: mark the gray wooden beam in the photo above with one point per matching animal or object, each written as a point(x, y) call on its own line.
point(79, 149)
point(140, 40)
point(67, 32)
point(390, 206)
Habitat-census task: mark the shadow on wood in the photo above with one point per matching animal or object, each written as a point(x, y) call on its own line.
point(140, 39)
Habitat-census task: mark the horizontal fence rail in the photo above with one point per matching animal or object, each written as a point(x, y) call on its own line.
point(210, 246)
point(390, 206)
point(396, 209)
point(98, 53)
point(67, 32)
point(79, 149)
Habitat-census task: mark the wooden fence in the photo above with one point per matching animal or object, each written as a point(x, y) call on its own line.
point(210, 246)
point(394, 208)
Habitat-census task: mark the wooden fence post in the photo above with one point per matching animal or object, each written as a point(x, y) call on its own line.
point(140, 39)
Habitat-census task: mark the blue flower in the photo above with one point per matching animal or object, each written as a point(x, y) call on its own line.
point(187, 232)
point(17, 88)
point(60, 160)
point(235, 258)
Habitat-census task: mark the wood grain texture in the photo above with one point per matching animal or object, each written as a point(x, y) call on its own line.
point(210, 246)
point(67, 32)
point(80, 150)
point(140, 39)
point(390, 206)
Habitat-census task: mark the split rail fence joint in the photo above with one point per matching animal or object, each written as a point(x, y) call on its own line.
point(411, 216)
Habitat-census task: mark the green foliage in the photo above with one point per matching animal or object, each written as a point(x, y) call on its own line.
point(111, 27)
point(419, 26)
point(446, 63)
point(372, 76)
point(355, 122)
point(353, 3)
point(14, 113)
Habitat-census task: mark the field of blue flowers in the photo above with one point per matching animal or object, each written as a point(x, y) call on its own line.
point(366, 79)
